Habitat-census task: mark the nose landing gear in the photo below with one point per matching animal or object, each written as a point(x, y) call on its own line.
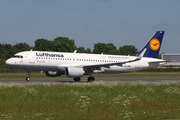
point(28, 76)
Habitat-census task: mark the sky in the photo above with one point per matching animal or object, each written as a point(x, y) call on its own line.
point(87, 22)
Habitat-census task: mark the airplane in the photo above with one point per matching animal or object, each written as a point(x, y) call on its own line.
point(75, 65)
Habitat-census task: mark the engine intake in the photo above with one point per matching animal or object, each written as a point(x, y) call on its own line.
point(73, 72)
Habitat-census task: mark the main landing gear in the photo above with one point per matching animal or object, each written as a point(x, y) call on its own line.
point(90, 79)
point(28, 76)
point(77, 79)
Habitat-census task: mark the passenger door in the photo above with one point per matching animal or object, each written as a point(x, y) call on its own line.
point(31, 57)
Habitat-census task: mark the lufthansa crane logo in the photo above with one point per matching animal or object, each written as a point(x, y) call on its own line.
point(154, 44)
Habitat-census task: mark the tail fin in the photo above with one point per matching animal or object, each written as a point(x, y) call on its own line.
point(153, 46)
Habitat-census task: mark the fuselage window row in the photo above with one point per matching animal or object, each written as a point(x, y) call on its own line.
point(90, 60)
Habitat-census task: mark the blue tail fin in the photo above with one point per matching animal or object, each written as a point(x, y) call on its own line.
point(153, 46)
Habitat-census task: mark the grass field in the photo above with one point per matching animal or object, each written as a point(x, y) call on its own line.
point(96, 100)
point(91, 101)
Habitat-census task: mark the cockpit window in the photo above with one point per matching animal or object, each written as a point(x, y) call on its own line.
point(17, 56)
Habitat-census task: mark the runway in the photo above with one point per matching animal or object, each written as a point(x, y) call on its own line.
point(70, 80)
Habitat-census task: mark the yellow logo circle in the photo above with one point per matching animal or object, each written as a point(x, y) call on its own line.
point(154, 44)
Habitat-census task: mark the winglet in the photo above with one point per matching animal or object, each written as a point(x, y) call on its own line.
point(142, 54)
point(75, 51)
point(139, 56)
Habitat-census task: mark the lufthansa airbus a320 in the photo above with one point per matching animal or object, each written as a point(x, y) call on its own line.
point(75, 65)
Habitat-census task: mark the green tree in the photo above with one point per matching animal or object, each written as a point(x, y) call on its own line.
point(3, 51)
point(2, 56)
point(88, 50)
point(128, 50)
point(108, 48)
point(64, 44)
point(22, 47)
point(10, 51)
point(83, 50)
point(42, 44)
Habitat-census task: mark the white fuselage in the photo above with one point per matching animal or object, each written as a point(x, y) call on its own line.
point(58, 61)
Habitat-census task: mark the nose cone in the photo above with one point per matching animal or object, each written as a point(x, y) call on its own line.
point(9, 62)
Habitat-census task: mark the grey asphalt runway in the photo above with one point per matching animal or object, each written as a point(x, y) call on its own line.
point(70, 80)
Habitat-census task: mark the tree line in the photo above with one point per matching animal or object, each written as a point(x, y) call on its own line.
point(62, 44)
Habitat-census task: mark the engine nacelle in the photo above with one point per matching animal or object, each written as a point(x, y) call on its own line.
point(74, 72)
point(53, 73)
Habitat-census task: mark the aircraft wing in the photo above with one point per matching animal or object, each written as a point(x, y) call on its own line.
point(97, 66)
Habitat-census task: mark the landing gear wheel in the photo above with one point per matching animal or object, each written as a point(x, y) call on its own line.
point(28, 78)
point(90, 79)
point(77, 79)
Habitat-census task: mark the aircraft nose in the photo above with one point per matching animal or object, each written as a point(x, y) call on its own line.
point(8, 62)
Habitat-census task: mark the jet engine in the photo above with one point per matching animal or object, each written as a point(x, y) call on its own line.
point(73, 72)
point(53, 73)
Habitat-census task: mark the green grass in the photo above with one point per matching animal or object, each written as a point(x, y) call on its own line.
point(92, 101)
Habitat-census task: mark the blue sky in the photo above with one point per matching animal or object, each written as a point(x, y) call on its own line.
point(121, 22)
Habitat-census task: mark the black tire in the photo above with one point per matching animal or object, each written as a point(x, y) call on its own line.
point(77, 79)
point(28, 78)
point(90, 79)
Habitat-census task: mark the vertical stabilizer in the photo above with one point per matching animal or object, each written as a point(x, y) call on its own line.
point(153, 46)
